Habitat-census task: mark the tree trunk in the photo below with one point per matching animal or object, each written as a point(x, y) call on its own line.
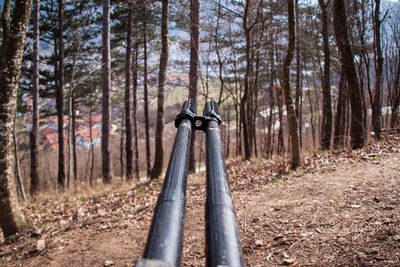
point(69, 136)
point(35, 107)
point(11, 220)
point(376, 108)
point(134, 111)
point(228, 131)
point(128, 126)
point(396, 99)
point(269, 145)
point(291, 115)
point(106, 114)
point(20, 184)
point(159, 150)
point(340, 121)
point(346, 57)
point(298, 71)
point(146, 96)
point(121, 149)
point(311, 118)
point(91, 146)
point(74, 156)
point(60, 99)
point(245, 98)
point(326, 129)
point(255, 105)
point(219, 57)
point(194, 68)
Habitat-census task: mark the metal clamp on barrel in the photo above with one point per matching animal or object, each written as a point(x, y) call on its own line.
point(188, 112)
point(199, 123)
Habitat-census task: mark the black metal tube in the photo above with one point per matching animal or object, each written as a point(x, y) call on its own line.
point(222, 237)
point(164, 242)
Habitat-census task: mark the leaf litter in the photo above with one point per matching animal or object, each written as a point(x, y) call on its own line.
point(340, 208)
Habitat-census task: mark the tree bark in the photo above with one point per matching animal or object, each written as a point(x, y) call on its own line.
point(20, 184)
point(106, 113)
point(35, 106)
point(346, 57)
point(396, 99)
point(291, 115)
point(245, 98)
point(121, 149)
point(128, 126)
point(194, 68)
point(299, 92)
point(269, 145)
point(146, 94)
point(376, 108)
point(11, 220)
point(74, 155)
point(311, 117)
point(60, 99)
point(340, 122)
point(326, 130)
point(134, 111)
point(91, 145)
point(159, 150)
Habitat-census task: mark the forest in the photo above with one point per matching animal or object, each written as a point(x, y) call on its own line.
point(89, 90)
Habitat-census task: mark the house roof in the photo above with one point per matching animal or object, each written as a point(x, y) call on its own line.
point(48, 131)
point(95, 119)
point(52, 138)
point(86, 134)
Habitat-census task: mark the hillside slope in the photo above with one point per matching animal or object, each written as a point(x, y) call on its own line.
point(340, 209)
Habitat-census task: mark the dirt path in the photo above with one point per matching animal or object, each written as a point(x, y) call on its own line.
point(344, 211)
point(346, 214)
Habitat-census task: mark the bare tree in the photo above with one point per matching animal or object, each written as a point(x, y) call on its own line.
point(291, 115)
point(376, 107)
point(326, 129)
point(249, 66)
point(14, 32)
point(346, 57)
point(159, 151)
point(299, 91)
point(340, 120)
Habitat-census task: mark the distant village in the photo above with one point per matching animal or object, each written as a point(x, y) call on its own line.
point(49, 136)
point(84, 138)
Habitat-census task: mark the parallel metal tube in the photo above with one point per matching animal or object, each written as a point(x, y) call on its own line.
point(222, 237)
point(164, 242)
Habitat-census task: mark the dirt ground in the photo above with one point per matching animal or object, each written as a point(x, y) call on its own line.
point(341, 208)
